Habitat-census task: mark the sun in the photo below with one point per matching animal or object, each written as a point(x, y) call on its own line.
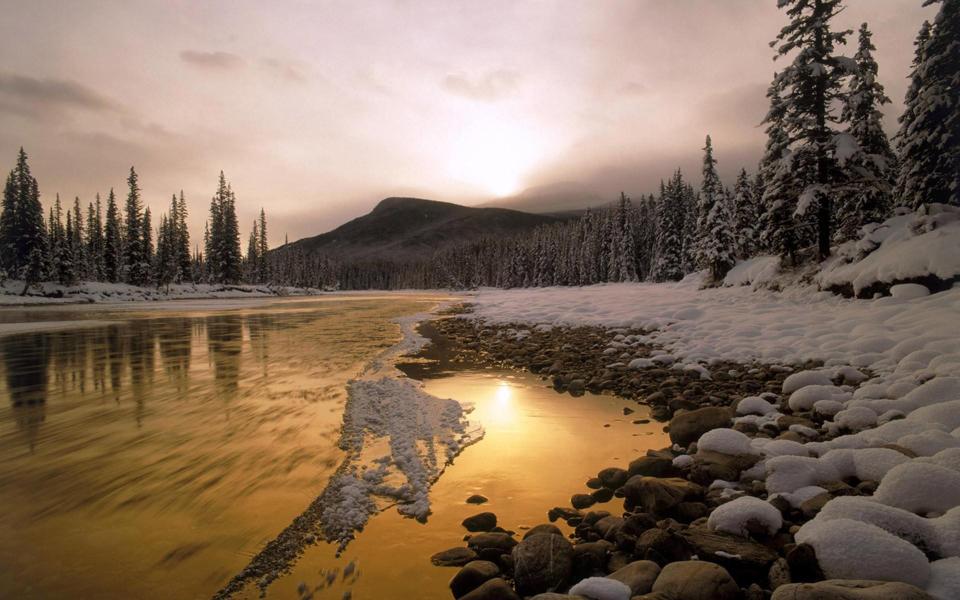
point(493, 153)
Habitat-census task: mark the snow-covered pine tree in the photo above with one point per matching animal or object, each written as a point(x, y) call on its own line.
point(146, 230)
point(626, 240)
point(811, 85)
point(76, 242)
point(667, 264)
point(715, 246)
point(253, 255)
point(180, 235)
point(112, 242)
point(929, 138)
point(231, 257)
point(689, 202)
point(263, 247)
point(870, 164)
point(746, 216)
point(780, 188)
point(134, 257)
point(23, 235)
point(94, 241)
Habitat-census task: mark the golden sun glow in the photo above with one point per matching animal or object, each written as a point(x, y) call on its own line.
point(494, 153)
point(502, 409)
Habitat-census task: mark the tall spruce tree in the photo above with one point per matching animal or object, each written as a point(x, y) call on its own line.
point(871, 166)
point(263, 247)
point(112, 242)
point(811, 85)
point(780, 187)
point(94, 241)
point(929, 138)
point(715, 239)
point(745, 216)
point(181, 238)
point(668, 260)
point(146, 232)
point(135, 265)
point(23, 236)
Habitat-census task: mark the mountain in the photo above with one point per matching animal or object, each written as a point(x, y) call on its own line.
point(405, 228)
point(554, 198)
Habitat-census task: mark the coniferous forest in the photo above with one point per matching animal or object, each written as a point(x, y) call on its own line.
point(827, 172)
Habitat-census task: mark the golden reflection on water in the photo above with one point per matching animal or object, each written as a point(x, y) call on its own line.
point(539, 448)
point(150, 458)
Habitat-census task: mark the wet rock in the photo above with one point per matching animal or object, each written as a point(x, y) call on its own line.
point(687, 427)
point(608, 526)
point(544, 528)
point(484, 521)
point(472, 576)
point(812, 506)
point(628, 411)
point(476, 499)
point(603, 495)
point(454, 557)
point(687, 512)
point(554, 596)
point(844, 589)
point(709, 466)
point(562, 512)
point(638, 576)
point(658, 495)
point(696, 580)
point(618, 560)
point(582, 501)
point(779, 574)
point(541, 563)
point(494, 589)
point(594, 483)
point(613, 477)
point(501, 542)
point(651, 466)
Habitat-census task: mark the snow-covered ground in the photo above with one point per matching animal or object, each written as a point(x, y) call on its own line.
point(909, 341)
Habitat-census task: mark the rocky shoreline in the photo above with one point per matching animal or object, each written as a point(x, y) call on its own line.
point(695, 525)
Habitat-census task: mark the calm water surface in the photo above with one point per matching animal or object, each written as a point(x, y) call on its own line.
point(154, 456)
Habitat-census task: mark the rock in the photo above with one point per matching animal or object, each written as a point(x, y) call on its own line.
point(687, 427)
point(811, 506)
point(582, 501)
point(844, 589)
point(484, 521)
point(627, 411)
point(476, 499)
point(594, 483)
point(709, 466)
point(662, 546)
point(744, 559)
point(613, 477)
point(590, 558)
point(493, 589)
point(651, 466)
point(562, 512)
point(603, 495)
point(779, 573)
point(696, 580)
point(638, 575)
point(541, 563)
point(502, 542)
point(454, 557)
point(553, 596)
point(608, 526)
point(687, 512)
point(601, 588)
point(658, 495)
point(802, 560)
point(472, 576)
point(545, 528)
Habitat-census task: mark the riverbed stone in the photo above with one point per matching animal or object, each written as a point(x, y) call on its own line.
point(454, 557)
point(494, 540)
point(541, 563)
point(651, 466)
point(613, 477)
point(484, 521)
point(658, 495)
point(696, 580)
point(843, 589)
point(687, 427)
point(493, 589)
point(544, 528)
point(472, 576)
point(477, 499)
point(744, 559)
point(582, 501)
point(638, 575)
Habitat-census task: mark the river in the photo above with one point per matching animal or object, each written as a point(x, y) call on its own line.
point(153, 452)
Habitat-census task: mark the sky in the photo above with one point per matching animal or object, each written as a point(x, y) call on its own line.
point(316, 110)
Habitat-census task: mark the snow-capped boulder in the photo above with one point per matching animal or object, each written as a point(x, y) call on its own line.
point(745, 515)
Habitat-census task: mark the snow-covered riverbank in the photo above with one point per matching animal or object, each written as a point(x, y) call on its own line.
point(898, 430)
point(88, 292)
